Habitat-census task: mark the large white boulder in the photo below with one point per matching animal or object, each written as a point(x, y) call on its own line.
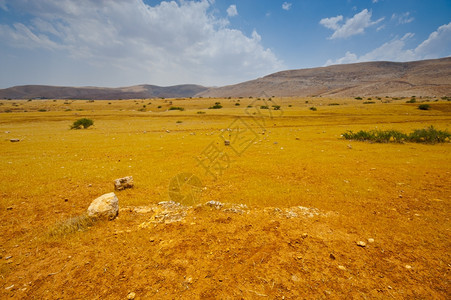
point(104, 207)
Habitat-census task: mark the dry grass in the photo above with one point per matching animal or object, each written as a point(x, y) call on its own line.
point(397, 193)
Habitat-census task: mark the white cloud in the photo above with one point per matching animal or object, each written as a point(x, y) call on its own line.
point(3, 5)
point(403, 18)
point(286, 6)
point(232, 11)
point(352, 26)
point(375, 1)
point(169, 43)
point(437, 45)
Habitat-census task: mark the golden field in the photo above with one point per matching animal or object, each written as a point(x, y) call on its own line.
point(397, 194)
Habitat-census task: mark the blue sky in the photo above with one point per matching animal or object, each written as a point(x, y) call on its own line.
point(127, 42)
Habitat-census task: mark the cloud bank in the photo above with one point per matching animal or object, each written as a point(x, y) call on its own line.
point(130, 41)
point(438, 44)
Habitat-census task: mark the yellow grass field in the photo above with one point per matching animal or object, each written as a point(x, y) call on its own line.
point(398, 195)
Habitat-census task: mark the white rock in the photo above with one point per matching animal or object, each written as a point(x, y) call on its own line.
point(361, 244)
point(123, 183)
point(131, 295)
point(370, 240)
point(105, 206)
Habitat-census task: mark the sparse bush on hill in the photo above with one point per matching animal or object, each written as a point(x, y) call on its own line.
point(276, 107)
point(369, 102)
point(424, 107)
point(358, 98)
point(429, 135)
point(413, 100)
point(264, 107)
point(82, 123)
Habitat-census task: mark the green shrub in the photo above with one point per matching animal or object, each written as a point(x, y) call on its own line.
point(176, 108)
point(200, 112)
point(424, 107)
point(216, 106)
point(429, 135)
point(332, 104)
point(369, 102)
point(413, 100)
point(313, 108)
point(179, 122)
point(358, 98)
point(237, 104)
point(264, 107)
point(276, 107)
point(42, 110)
point(82, 123)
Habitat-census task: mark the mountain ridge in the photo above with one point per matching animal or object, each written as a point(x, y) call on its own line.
point(381, 78)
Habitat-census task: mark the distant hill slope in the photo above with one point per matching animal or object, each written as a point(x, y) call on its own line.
point(133, 92)
point(420, 78)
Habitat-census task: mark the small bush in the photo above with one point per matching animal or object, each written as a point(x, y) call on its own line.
point(358, 98)
point(216, 106)
point(179, 122)
point(429, 135)
point(424, 107)
point(276, 107)
point(332, 104)
point(313, 108)
point(264, 107)
point(176, 108)
point(237, 104)
point(369, 102)
point(413, 100)
point(200, 112)
point(42, 110)
point(82, 123)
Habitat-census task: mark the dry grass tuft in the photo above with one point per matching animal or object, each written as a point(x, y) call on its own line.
point(73, 224)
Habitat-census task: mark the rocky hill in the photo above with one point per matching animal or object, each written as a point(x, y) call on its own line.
point(421, 78)
point(133, 92)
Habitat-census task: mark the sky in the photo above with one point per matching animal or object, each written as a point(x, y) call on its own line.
point(114, 43)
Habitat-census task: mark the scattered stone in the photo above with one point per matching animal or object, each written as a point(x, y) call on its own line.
point(370, 240)
point(89, 185)
point(9, 287)
point(349, 146)
point(9, 208)
point(226, 143)
point(275, 143)
point(304, 235)
point(123, 183)
point(215, 204)
point(408, 267)
point(168, 131)
point(105, 206)
point(297, 139)
point(332, 256)
point(131, 295)
point(14, 140)
point(7, 131)
point(8, 257)
point(342, 267)
point(361, 244)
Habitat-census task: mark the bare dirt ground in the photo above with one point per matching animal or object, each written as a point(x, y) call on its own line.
point(294, 206)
